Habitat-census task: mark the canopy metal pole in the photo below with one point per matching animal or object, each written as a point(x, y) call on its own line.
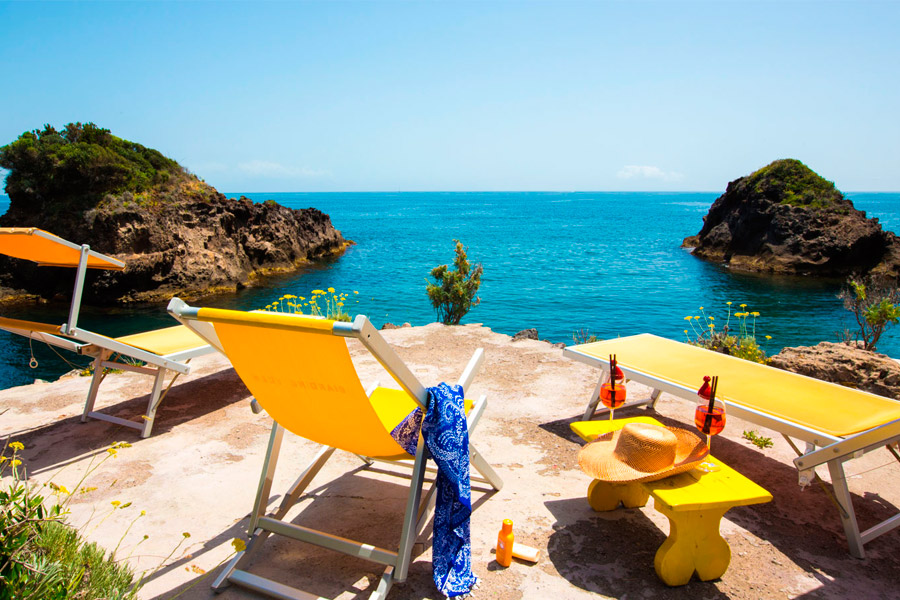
point(79, 287)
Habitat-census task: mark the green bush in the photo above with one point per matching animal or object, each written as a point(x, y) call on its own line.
point(454, 292)
point(789, 181)
point(81, 165)
point(40, 556)
point(874, 302)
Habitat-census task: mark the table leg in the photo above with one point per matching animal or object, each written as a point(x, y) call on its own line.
point(605, 496)
point(693, 545)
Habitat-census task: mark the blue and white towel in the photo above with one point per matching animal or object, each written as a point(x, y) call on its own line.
point(447, 438)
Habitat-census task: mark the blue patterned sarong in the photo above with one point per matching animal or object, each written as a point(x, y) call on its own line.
point(447, 438)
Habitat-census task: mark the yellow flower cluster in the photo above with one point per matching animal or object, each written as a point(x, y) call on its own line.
point(328, 304)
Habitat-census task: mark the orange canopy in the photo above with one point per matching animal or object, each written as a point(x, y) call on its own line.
point(48, 250)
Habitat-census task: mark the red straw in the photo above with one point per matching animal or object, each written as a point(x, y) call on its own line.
point(707, 423)
point(612, 372)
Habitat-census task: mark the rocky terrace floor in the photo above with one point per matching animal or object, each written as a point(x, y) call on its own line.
point(198, 474)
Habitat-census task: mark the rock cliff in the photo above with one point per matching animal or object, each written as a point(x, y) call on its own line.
point(844, 364)
point(176, 234)
point(784, 218)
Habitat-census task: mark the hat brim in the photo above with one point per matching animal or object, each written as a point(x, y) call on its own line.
point(598, 459)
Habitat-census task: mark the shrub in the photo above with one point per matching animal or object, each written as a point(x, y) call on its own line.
point(40, 556)
point(873, 300)
point(80, 165)
point(454, 292)
point(739, 341)
point(332, 306)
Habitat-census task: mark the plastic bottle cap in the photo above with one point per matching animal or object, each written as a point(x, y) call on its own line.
point(507, 525)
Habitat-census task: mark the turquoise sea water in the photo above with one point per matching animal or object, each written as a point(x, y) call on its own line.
point(608, 263)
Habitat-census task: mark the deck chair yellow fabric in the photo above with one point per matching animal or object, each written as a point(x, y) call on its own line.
point(162, 350)
point(298, 368)
point(837, 423)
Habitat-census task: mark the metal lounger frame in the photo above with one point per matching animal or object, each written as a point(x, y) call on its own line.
point(821, 448)
point(418, 509)
point(102, 348)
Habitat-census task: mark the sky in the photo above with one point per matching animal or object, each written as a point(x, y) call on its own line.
point(469, 96)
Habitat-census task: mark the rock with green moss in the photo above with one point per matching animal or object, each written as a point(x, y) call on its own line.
point(785, 218)
point(177, 234)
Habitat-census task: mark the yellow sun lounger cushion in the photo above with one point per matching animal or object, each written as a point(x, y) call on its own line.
point(168, 340)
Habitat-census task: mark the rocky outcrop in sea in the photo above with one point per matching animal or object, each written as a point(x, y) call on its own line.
point(189, 246)
point(784, 218)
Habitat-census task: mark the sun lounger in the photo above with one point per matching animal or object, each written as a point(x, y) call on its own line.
point(299, 370)
point(837, 423)
point(161, 350)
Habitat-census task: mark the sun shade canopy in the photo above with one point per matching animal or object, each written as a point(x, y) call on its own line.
point(48, 250)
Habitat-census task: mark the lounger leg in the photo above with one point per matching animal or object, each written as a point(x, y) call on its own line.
point(848, 516)
point(303, 481)
point(654, 397)
point(257, 536)
point(384, 585)
point(595, 396)
point(475, 457)
point(96, 380)
point(483, 467)
point(153, 404)
point(410, 520)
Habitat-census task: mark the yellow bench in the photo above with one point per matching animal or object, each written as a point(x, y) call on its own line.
point(694, 502)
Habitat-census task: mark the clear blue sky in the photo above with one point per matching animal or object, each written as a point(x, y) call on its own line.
point(322, 96)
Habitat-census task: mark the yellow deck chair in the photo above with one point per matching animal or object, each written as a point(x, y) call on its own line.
point(162, 350)
point(299, 370)
point(837, 423)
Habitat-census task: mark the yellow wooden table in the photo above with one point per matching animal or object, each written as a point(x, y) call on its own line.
point(694, 502)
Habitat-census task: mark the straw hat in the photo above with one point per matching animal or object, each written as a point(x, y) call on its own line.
point(642, 452)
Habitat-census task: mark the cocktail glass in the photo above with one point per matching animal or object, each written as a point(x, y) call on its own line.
point(710, 422)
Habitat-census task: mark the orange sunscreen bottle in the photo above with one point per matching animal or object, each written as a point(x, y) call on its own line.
point(505, 543)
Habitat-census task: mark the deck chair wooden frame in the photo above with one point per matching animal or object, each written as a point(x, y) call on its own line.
point(836, 423)
point(162, 350)
point(288, 393)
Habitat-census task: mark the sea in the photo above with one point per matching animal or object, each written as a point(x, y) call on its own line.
point(569, 264)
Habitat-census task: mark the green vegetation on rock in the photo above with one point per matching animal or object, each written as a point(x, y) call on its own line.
point(81, 166)
point(789, 181)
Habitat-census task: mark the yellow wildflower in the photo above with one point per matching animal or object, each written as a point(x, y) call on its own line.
point(186, 534)
point(685, 330)
point(63, 490)
point(755, 314)
point(728, 303)
point(688, 318)
point(143, 512)
point(355, 292)
point(116, 503)
point(768, 337)
point(17, 446)
point(701, 308)
point(15, 462)
point(340, 303)
point(712, 318)
point(3, 459)
point(743, 305)
point(318, 292)
point(238, 544)
point(330, 290)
